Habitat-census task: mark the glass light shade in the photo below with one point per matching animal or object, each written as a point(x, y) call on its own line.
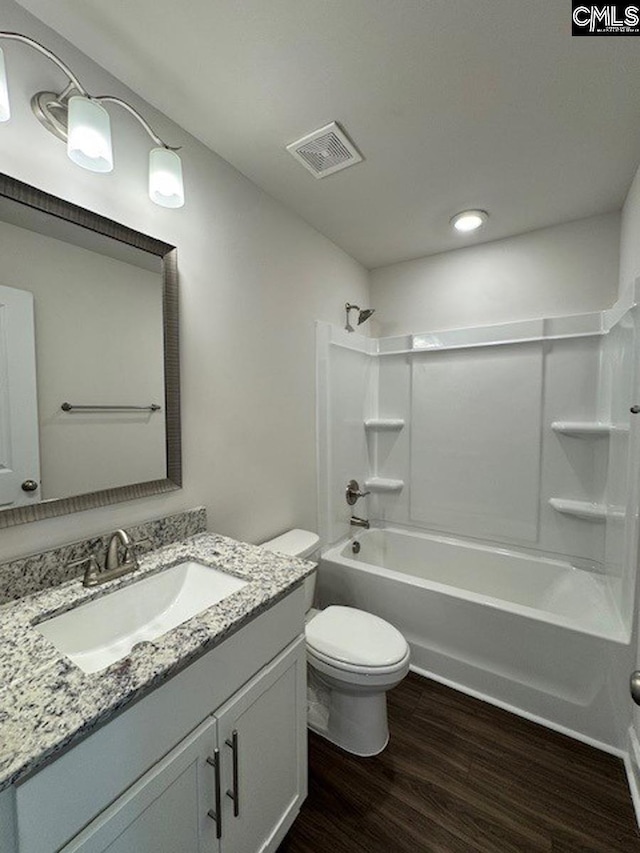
point(165, 178)
point(5, 108)
point(89, 135)
point(469, 220)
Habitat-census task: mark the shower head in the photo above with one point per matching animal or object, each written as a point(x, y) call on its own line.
point(363, 315)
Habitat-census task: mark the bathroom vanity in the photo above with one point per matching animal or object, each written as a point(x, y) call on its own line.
point(193, 742)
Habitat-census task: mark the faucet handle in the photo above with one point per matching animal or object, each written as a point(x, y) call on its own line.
point(91, 572)
point(92, 568)
point(132, 550)
point(145, 541)
point(75, 564)
point(352, 492)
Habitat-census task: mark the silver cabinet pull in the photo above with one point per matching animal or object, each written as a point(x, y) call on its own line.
point(635, 410)
point(235, 794)
point(29, 486)
point(635, 686)
point(217, 814)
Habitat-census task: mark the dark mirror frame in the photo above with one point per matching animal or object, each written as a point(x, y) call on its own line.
point(25, 194)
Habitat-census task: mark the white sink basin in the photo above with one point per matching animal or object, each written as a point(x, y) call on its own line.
point(96, 634)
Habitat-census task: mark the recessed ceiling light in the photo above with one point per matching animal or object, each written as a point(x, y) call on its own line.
point(469, 220)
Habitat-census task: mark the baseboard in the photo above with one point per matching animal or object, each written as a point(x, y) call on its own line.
point(477, 694)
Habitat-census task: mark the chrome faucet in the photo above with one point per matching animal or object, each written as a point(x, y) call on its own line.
point(112, 560)
point(359, 522)
point(114, 567)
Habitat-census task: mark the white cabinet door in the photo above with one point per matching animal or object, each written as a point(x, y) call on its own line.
point(19, 446)
point(167, 810)
point(264, 727)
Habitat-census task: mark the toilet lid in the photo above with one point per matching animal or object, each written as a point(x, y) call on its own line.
point(355, 637)
point(294, 543)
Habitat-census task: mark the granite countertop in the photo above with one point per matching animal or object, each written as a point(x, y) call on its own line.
point(47, 703)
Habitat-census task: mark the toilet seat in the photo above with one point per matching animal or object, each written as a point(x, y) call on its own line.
point(343, 670)
point(352, 640)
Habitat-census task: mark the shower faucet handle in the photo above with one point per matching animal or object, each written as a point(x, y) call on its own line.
point(352, 492)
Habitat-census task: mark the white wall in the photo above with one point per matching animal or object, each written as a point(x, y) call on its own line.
point(253, 279)
point(630, 236)
point(567, 269)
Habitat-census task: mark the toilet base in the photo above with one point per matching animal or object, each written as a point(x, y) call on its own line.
point(325, 735)
point(354, 721)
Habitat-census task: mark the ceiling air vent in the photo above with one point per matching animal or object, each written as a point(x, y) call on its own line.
point(325, 151)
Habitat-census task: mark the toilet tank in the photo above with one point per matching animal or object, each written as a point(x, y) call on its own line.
point(303, 544)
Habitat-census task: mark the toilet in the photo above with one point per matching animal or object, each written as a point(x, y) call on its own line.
point(353, 658)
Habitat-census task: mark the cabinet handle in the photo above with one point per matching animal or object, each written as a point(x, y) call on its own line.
point(235, 794)
point(217, 814)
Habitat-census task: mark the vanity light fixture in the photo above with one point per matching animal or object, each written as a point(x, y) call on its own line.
point(165, 178)
point(5, 107)
point(469, 220)
point(80, 120)
point(89, 135)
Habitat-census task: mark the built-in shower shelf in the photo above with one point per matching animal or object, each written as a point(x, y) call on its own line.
point(383, 424)
point(381, 484)
point(583, 429)
point(587, 510)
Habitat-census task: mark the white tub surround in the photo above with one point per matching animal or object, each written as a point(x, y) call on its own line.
point(518, 435)
point(587, 510)
point(585, 429)
point(384, 424)
point(383, 484)
point(532, 634)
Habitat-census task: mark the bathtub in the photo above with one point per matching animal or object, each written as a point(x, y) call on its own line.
point(531, 634)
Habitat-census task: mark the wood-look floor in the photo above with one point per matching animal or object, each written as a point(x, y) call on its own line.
point(461, 776)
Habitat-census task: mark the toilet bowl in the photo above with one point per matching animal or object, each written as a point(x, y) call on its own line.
point(353, 659)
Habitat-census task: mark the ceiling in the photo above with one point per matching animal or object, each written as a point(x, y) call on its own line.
point(470, 103)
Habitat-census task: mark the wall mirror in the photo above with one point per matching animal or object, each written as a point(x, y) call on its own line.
point(89, 372)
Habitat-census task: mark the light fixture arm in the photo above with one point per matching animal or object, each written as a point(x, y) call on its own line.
point(110, 99)
point(75, 87)
point(50, 55)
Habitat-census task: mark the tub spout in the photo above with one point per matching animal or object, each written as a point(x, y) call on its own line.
point(359, 522)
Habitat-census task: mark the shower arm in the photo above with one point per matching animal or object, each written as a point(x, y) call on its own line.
point(349, 307)
point(364, 314)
